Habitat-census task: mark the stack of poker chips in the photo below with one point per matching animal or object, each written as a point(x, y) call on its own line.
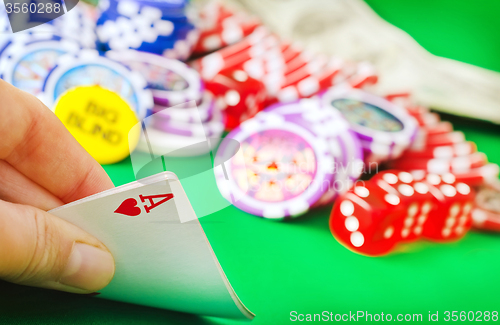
point(183, 112)
point(27, 57)
point(285, 71)
point(59, 56)
point(295, 156)
point(160, 27)
point(88, 68)
point(438, 149)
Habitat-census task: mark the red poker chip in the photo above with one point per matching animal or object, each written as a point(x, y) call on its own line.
point(221, 38)
point(417, 111)
point(486, 215)
point(256, 37)
point(211, 64)
point(441, 166)
point(289, 52)
point(332, 74)
point(427, 119)
point(220, 26)
point(437, 140)
point(443, 152)
point(236, 61)
point(445, 139)
point(474, 177)
point(426, 134)
point(306, 61)
point(365, 75)
point(440, 128)
point(485, 220)
point(318, 74)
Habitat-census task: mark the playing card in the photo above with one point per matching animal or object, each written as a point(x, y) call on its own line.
point(160, 261)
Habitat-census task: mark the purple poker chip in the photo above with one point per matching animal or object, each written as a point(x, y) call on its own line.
point(187, 112)
point(213, 128)
point(372, 118)
point(342, 141)
point(280, 171)
point(171, 81)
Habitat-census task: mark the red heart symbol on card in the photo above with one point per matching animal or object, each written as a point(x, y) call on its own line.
point(129, 208)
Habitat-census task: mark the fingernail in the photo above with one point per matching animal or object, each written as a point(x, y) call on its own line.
point(88, 268)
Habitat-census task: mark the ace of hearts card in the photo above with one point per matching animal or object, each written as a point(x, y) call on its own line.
point(163, 257)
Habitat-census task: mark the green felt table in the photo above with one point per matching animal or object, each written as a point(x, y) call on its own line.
point(280, 267)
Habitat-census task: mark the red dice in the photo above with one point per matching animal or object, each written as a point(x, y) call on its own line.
point(394, 207)
point(366, 219)
point(416, 198)
point(451, 218)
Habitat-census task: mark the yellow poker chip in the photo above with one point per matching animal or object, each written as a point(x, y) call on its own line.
point(100, 120)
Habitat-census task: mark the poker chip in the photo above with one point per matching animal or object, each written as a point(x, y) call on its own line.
point(331, 126)
point(438, 140)
point(172, 82)
point(473, 177)
point(439, 128)
point(486, 214)
point(100, 120)
point(455, 150)
point(440, 166)
point(150, 26)
point(285, 164)
point(229, 57)
point(188, 112)
point(426, 119)
point(27, 61)
point(88, 68)
point(210, 128)
point(7, 38)
point(384, 129)
point(221, 26)
point(477, 176)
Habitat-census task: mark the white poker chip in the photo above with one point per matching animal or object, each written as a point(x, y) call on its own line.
point(214, 127)
point(89, 68)
point(372, 118)
point(171, 81)
point(27, 61)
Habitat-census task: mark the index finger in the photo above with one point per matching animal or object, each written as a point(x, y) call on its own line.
point(37, 144)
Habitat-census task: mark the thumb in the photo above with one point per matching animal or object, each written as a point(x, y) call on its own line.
point(39, 249)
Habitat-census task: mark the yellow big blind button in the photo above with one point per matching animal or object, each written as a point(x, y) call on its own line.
point(100, 120)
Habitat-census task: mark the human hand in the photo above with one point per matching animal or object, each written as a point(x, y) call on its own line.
point(42, 167)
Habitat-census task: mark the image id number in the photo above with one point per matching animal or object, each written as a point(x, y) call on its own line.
point(39, 8)
point(477, 316)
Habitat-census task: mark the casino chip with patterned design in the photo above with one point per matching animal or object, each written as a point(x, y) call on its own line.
point(285, 164)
